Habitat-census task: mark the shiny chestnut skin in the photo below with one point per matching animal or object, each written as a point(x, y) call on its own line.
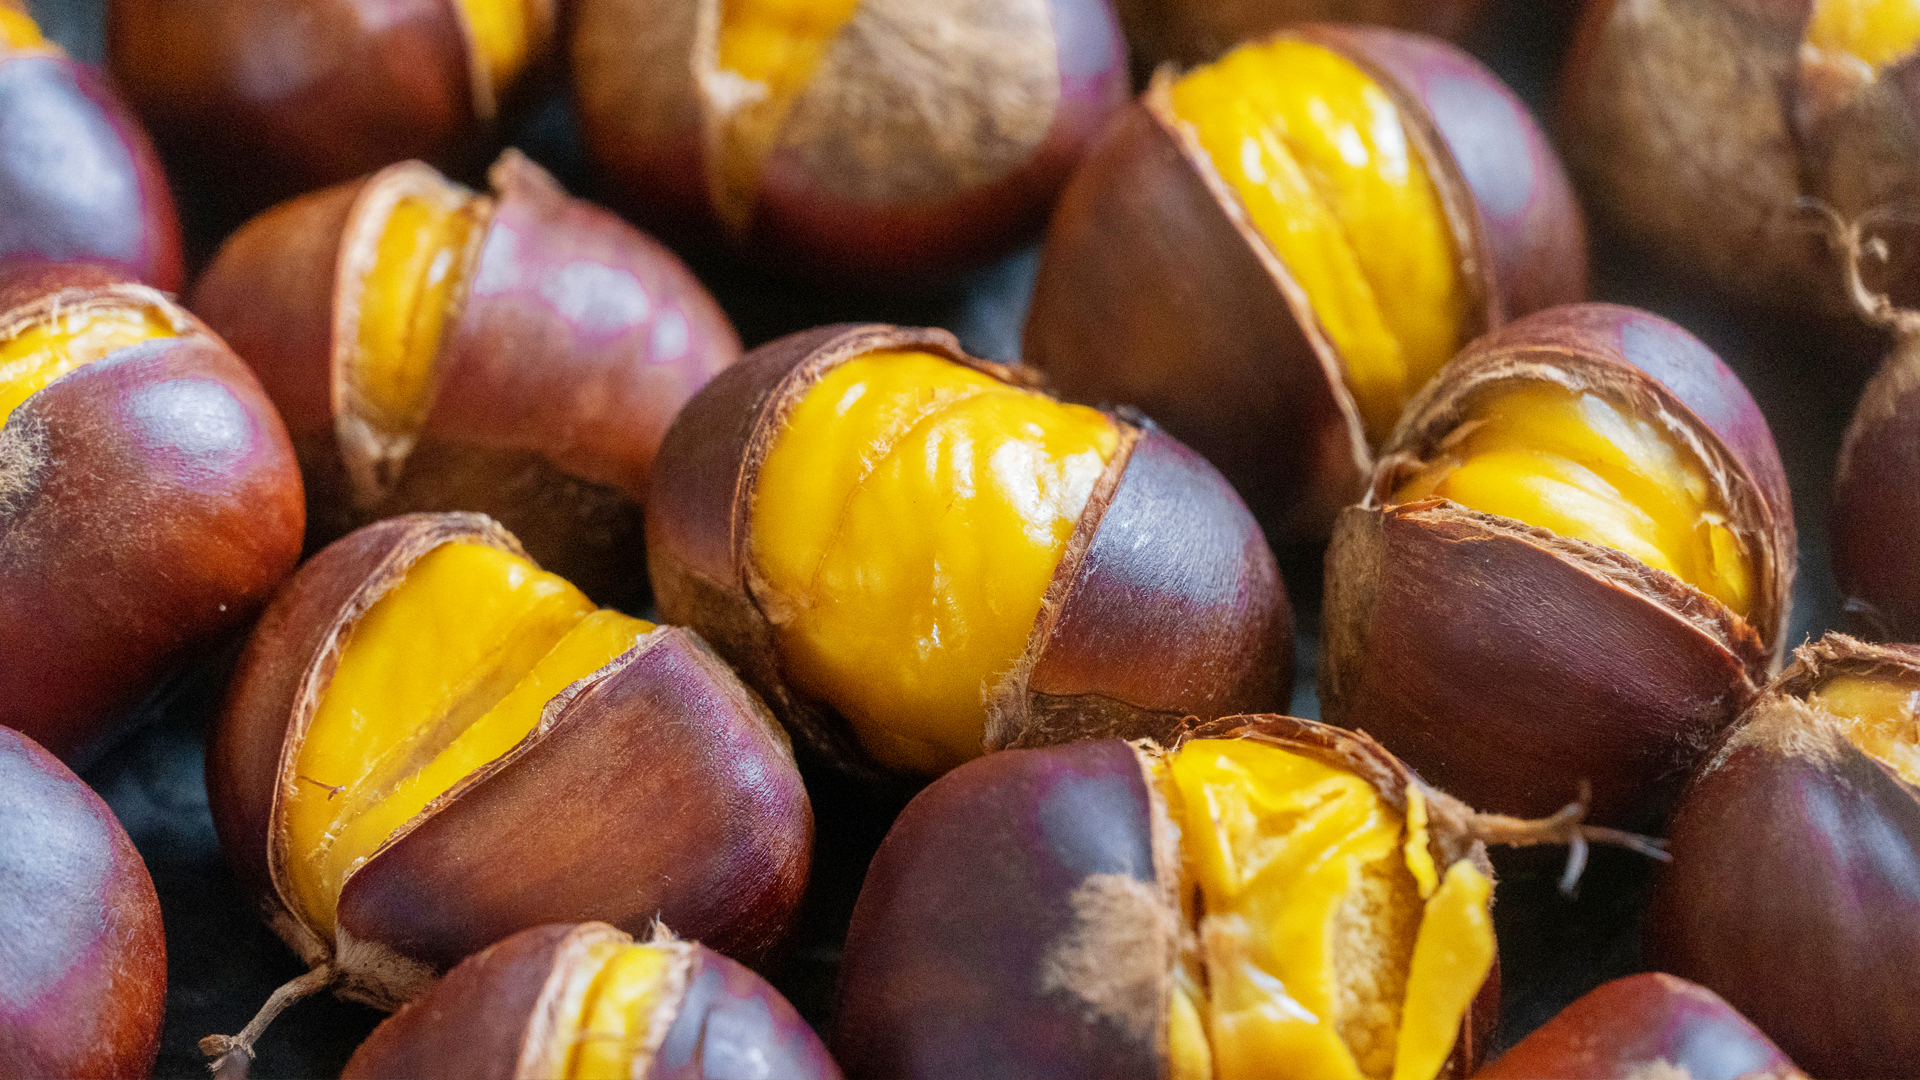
point(1155, 293)
point(1188, 32)
point(491, 1016)
point(82, 957)
point(897, 163)
point(1508, 664)
point(1167, 604)
point(661, 787)
point(149, 505)
point(574, 345)
point(1632, 1027)
point(1874, 522)
point(1794, 890)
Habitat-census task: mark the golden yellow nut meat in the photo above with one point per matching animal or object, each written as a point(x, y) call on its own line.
point(65, 341)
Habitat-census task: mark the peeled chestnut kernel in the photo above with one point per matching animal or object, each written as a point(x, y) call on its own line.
point(79, 182)
point(261, 99)
point(518, 354)
point(588, 1002)
point(1794, 891)
point(1294, 239)
point(149, 501)
point(83, 962)
point(852, 140)
point(423, 712)
point(916, 557)
point(1644, 1027)
point(1572, 563)
point(1195, 31)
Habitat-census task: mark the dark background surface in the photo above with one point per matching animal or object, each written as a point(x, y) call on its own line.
point(223, 961)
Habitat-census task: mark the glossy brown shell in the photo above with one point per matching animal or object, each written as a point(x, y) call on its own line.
point(1155, 290)
point(1508, 664)
point(895, 162)
point(83, 961)
point(657, 786)
point(1166, 604)
point(1188, 32)
point(1022, 917)
point(576, 341)
point(149, 506)
point(1794, 890)
point(491, 1017)
point(1874, 523)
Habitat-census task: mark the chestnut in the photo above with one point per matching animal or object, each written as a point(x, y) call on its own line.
point(1400, 202)
point(860, 141)
point(518, 354)
point(915, 557)
point(82, 956)
point(1638, 1026)
point(1794, 890)
point(149, 500)
point(573, 1002)
point(1572, 562)
point(424, 713)
point(1195, 31)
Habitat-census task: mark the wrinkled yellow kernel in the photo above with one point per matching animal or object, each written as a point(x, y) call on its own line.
point(502, 33)
point(1875, 32)
point(1322, 164)
point(67, 341)
point(1880, 719)
point(409, 293)
point(907, 523)
point(611, 1030)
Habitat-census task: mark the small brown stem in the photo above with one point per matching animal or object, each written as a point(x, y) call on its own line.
point(1849, 239)
point(233, 1054)
point(332, 789)
point(1566, 826)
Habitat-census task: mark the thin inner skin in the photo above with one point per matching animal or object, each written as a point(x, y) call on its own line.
point(61, 343)
point(610, 1029)
point(908, 521)
point(18, 31)
point(1872, 33)
point(1577, 465)
point(444, 674)
point(1320, 160)
point(1880, 719)
point(502, 35)
point(1332, 948)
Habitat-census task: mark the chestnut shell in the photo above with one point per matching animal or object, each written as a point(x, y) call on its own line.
point(1188, 32)
point(1874, 522)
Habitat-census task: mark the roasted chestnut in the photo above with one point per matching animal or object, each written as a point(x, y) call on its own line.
point(1195, 31)
point(519, 355)
point(588, 1001)
point(854, 140)
point(1794, 890)
point(79, 181)
point(1572, 563)
point(149, 501)
point(1293, 240)
point(82, 957)
point(916, 557)
point(430, 743)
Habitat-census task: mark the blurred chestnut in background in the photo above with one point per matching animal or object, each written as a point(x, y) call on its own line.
point(916, 557)
point(261, 99)
point(1794, 890)
point(149, 501)
point(1573, 562)
point(1643, 1026)
point(1270, 255)
point(588, 1001)
point(424, 713)
point(82, 957)
point(518, 354)
point(79, 182)
point(859, 141)
point(1195, 31)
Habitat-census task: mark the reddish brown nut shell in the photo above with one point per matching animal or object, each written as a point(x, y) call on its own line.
point(1167, 604)
point(996, 871)
point(659, 787)
point(1155, 291)
point(149, 506)
point(1508, 664)
point(1874, 524)
point(896, 161)
point(83, 962)
point(1794, 890)
point(575, 343)
point(1194, 31)
point(1632, 1028)
point(492, 1017)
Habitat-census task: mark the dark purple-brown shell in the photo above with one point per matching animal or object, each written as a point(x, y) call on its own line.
point(1874, 523)
point(1188, 32)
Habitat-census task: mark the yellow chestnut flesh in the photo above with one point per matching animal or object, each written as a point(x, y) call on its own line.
point(502, 33)
point(18, 30)
point(443, 675)
point(65, 341)
point(1333, 947)
point(907, 522)
point(1879, 718)
point(1577, 465)
point(1320, 160)
point(409, 292)
point(607, 1026)
point(1873, 33)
